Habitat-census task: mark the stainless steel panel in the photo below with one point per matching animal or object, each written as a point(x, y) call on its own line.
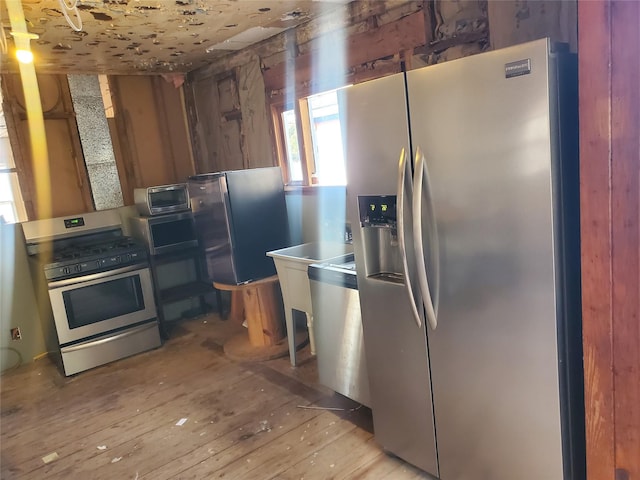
point(375, 123)
point(108, 348)
point(494, 359)
point(67, 334)
point(337, 329)
point(161, 199)
point(257, 213)
point(93, 276)
point(50, 228)
point(240, 215)
point(165, 233)
point(210, 212)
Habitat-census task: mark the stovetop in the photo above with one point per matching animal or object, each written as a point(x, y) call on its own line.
point(78, 259)
point(84, 251)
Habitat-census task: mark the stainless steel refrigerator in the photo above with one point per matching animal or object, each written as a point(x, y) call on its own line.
point(239, 216)
point(463, 200)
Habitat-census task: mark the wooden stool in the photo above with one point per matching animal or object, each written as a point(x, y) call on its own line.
point(264, 314)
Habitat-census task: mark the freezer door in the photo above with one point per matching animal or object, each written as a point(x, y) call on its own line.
point(376, 130)
point(486, 135)
point(258, 220)
point(210, 214)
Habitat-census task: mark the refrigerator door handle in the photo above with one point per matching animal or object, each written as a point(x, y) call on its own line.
point(420, 180)
point(404, 184)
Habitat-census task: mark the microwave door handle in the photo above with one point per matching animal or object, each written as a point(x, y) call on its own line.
point(402, 188)
point(421, 179)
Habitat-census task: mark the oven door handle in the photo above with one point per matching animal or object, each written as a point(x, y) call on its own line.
point(111, 338)
point(96, 276)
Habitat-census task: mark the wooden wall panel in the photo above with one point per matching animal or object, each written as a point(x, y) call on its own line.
point(206, 132)
point(142, 143)
point(625, 188)
point(70, 189)
point(388, 40)
point(256, 123)
point(609, 68)
point(223, 131)
point(532, 19)
point(170, 106)
point(365, 40)
point(152, 134)
point(595, 112)
point(230, 155)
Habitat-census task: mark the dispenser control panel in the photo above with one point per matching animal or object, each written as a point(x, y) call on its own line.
point(377, 210)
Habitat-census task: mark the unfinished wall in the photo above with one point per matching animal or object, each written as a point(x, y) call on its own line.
point(153, 146)
point(518, 21)
point(311, 58)
point(609, 70)
point(361, 41)
point(257, 146)
point(70, 189)
point(230, 127)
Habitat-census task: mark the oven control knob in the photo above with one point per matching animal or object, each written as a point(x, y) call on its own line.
point(98, 263)
point(66, 270)
point(77, 268)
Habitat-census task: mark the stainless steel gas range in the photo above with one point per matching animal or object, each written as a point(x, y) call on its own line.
point(99, 296)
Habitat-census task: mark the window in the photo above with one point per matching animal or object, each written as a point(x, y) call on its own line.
point(291, 146)
point(309, 141)
point(11, 205)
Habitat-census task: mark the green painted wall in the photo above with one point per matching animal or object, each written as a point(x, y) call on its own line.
point(18, 306)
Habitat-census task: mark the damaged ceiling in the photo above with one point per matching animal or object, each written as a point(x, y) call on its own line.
point(150, 36)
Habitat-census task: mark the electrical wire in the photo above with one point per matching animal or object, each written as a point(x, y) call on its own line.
point(73, 8)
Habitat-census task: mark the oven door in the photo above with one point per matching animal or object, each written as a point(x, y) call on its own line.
point(170, 233)
point(95, 304)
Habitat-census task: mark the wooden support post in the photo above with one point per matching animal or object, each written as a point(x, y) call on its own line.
point(264, 314)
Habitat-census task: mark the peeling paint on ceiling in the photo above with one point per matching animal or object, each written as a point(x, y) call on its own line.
point(152, 36)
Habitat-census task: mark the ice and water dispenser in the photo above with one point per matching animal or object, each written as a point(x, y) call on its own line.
point(382, 255)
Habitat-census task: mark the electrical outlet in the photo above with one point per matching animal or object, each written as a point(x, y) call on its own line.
point(16, 334)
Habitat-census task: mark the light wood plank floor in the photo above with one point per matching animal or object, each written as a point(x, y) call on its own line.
point(243, 420)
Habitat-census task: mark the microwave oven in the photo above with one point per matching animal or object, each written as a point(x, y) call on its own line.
point(161, 199)
point(165, 233)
